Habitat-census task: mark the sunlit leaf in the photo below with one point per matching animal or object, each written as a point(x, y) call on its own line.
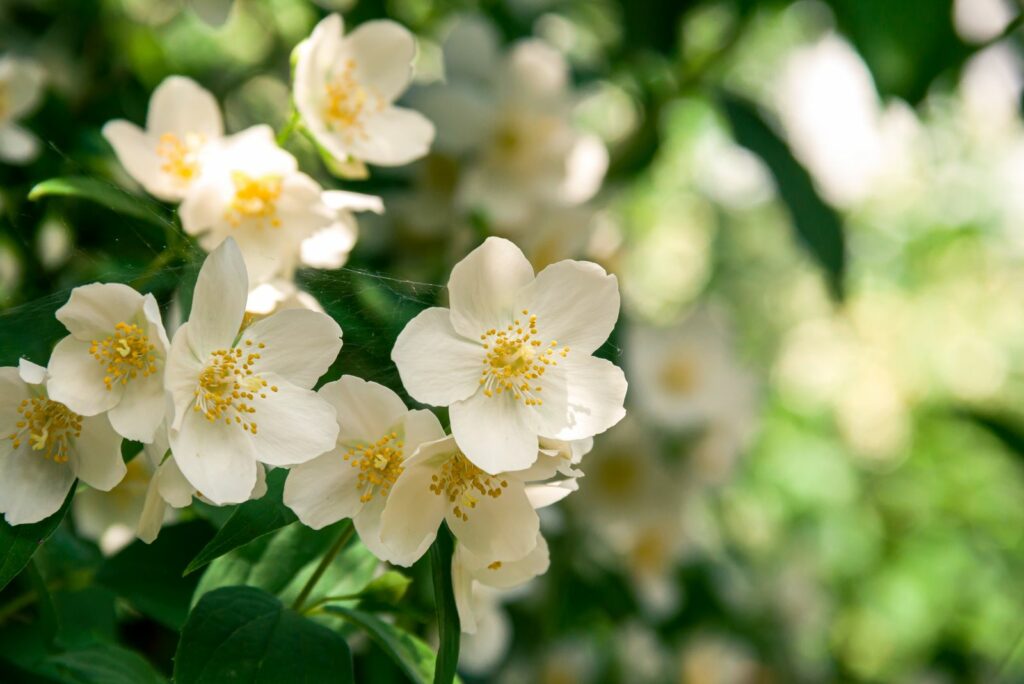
point(103, 193)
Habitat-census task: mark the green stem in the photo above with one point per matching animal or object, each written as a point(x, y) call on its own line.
point(289, 128)
point(343, 538)
point(447, 613)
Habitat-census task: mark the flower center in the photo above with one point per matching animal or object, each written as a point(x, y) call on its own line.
point(379, 463)
point(255, 198)
point(126, 353)
point(463, 484)
point(516, 359)
point(229, 387)
point(346, 99)
point(181, 156)
point(679, 375)
point(50, 426)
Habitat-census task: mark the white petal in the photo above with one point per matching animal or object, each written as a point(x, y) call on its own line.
point(179, 105)
point(141, 409)
point(218, 460)
point(548, 493)
point(342, 200)
point(366, 411)
point(93, 311)
point(462, 587)
point(584, 169)
point(24, 80)
point(437, 366)
point(295, 424)
point(534, 70)
point(510, 573)
point(218, 302)
point(383, 52)
point(17, 145)
point(484, 287)
point(12, 391)
point(300, 345)
point(394, 136)
point(137, 153)
point(493, 432)
point(154, 510)
point(31, 487)
point(421, 426)
point(323, 491)
point(181, 375)
point(576, 303)
point(173, 487)
point(329, 248)
point(482, 652)
point(31, 373)
point(75, 379)
point(501, 528)
point(367, 523)
point(412, 515)
point(314, 58)
point(596, 392)
point(96, 458)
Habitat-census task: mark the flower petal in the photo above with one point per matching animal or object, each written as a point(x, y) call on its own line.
point(295, 424)
point(412, 515)
point(323, 491)
point(17, 144)
point(154, 510)
point(31, 487)
point(218, 302)
point(300, 345)
point(596, 392)
point(421, 426)
point(179, 105)
point(75, 379)
point(483, 288)
point(494, 433)
point(393, 136)
point(576, 303)
point(368, 522)
point(93, 311)
point(383, 51)
point(181, 375)
point(366, 411)
point(501, 528)
point(141, 409)
point(510, 573)
point(173, 487)
point(137, 153)
point(218, 460)
point(96, 458)
point(437, 366)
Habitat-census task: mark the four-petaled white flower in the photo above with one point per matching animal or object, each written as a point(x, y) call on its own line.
point(490, 514)
point(513, 356)
point(44, 446)
point(21, 88)
point(377, 434)
point(345, 87)
point(242, 396)
point(113, 360)
point(254, 192)
point(183, 129)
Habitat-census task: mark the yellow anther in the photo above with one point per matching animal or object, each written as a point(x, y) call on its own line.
point(346, 100)
point(379, 464)
point(229, 385)
point(255, 199)
point(51, 428)
point(125, 354)
point(181, 156)
point(462, 483)
point(514, 357)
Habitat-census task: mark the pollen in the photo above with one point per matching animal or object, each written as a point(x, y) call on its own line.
point(464, 484)
point(255, 199)
point(126, 354)
point(49, 426)
point(379, 465)
point(346, 100)
point(180, 155)
point(229, 388)
point(517, 359)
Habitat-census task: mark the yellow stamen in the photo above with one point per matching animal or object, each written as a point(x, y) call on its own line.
point(181, 157)
point(255, 199)
point(379, 464)
point(51, 427)
point(229, 388)
point(126, 354)
point(516, 360)
point(463, 483)
point(346, 101)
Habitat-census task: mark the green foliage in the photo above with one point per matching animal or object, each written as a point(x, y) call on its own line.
point(102, 664)
point(103, 193)
point(18, 544)
point(444, 603)
point(245, 635)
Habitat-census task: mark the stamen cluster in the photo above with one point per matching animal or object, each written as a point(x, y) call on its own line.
point(515, 358)
point(380, 464)
point(346, 99)
point(461, 482)
point(51, 427)
point(255, 198)
point(182, 156)
point(228, 384)
point(126, 353)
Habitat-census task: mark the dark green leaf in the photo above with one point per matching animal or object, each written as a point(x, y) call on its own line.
point(242, 634)
point(102, 664)
point(250, 521)
point(104, 193)
point(388, 589)
point(415, 658)
point(447, 614)
point(150, 576)
point(18, 543)
point(817, 224)
point(1006, 429)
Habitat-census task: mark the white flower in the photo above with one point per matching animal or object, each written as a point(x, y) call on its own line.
point(254, 192)
point(21, 88)
point(243, 396)
point(277, 295)
point(490, 514)
point(377, 433)
point(510, 120)
point(44, 446)
point(513, 356)
point(345, 87)
point(330, 247)
point(183, 127)
point(113, 360)
point(553, 476)
point(110, 518)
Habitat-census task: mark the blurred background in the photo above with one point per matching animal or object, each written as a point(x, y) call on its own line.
point(816, 213)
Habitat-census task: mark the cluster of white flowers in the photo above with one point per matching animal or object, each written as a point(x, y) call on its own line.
point(231, 394)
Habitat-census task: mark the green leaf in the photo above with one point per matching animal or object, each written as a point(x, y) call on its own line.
point(413, 656)
point(102, 664)
point(18, 543)
point(817, 225)
point(447, 614)
point(150, 576)
point(387, 590)
point(104, 193)
point(242, 634)
point(250, 521)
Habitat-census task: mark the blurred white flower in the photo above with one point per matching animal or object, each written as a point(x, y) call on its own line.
point(329, 248)
point(110, 518)
point(21, 89)
point(977, 21)
point(512, 358)
point(710, 659)
point(345, 87)
point(243, 397)
point(253, 191)
point(113, 360)
point(183, 128)
point(377, 434)
point(509, 120)
point(44, 446)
